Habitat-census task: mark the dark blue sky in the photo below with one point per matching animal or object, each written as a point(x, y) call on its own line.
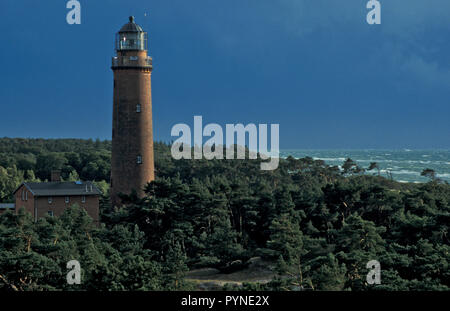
point(313, 66)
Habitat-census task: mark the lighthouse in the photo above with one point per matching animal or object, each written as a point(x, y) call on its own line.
point(132, 161)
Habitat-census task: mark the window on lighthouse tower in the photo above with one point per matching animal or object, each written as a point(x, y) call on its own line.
point(139, 159)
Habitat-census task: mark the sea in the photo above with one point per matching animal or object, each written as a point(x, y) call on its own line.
point(405, 165)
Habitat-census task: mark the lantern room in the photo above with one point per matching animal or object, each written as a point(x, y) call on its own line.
point(131, 37)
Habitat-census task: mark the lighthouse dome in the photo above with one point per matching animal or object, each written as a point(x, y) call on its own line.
point(131, 26)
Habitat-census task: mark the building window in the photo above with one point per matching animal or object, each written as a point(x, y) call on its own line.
point(23, 195)
point(139, 159)
point(67, 199)
point(83, 199)
point(50, 200)
point(50, 213)
point(138, 108)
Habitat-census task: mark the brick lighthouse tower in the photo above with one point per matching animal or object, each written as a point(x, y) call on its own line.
point(132, 164)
